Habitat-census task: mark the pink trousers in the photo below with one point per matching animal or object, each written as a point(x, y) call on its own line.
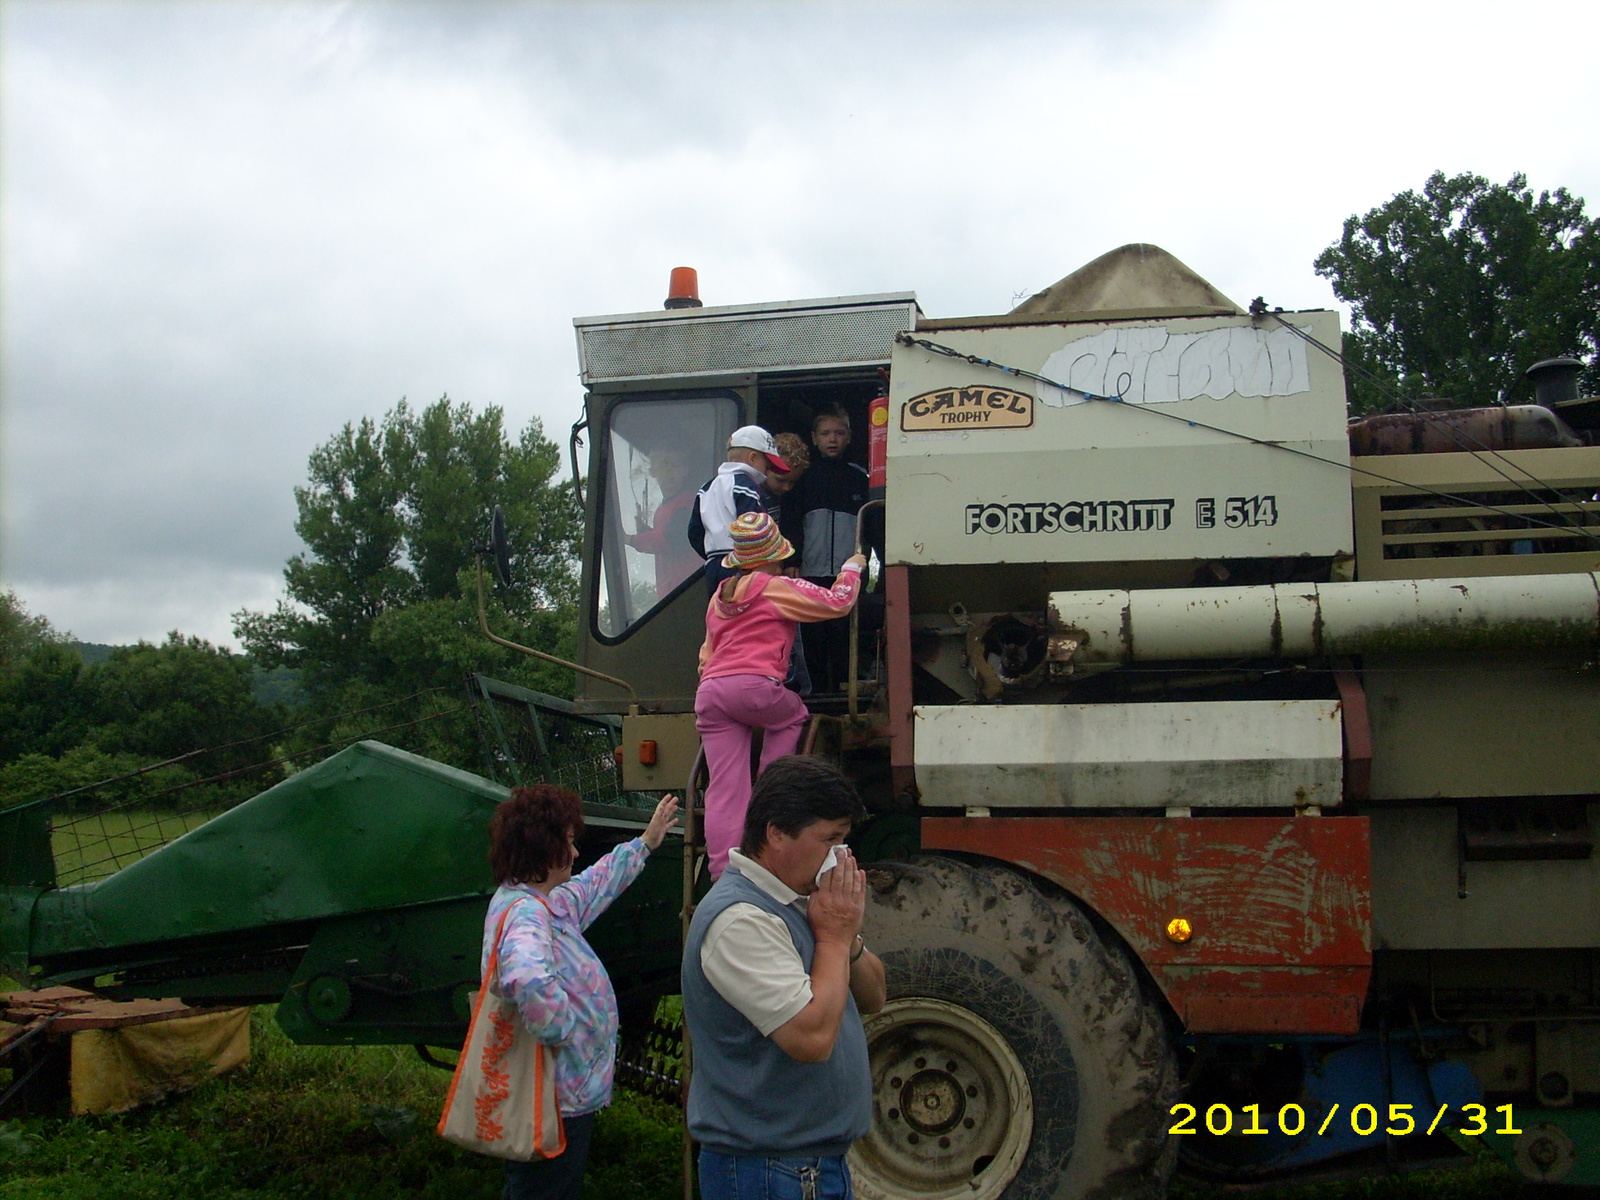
point(727, 710)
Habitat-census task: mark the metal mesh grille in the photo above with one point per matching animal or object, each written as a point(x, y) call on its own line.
point(92, 842)
point(754, 343)
point(650, 1058)
point(530, 738)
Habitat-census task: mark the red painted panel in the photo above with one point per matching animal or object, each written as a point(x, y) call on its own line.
point(1222, 1012)
point(1279, 906)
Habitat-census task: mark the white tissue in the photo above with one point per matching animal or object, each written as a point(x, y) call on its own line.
point(828, 863)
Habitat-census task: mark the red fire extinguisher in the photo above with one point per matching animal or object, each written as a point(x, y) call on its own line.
point(877, 447)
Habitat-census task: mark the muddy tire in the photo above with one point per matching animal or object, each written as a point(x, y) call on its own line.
point(1019, 1055)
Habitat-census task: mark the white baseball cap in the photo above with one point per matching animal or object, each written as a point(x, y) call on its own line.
point(753, 437)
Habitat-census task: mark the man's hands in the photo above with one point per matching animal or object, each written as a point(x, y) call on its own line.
point(666, 812)
point(860, 560)
point(835, 910)
point(837, 906)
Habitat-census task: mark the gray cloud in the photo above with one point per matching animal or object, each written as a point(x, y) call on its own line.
point(228, 229)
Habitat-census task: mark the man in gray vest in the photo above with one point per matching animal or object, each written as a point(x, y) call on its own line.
point(775, 978)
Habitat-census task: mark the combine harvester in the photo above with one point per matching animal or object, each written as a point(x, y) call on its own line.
point(1231, 795)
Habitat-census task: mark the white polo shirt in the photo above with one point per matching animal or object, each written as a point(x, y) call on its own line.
point(750, 959)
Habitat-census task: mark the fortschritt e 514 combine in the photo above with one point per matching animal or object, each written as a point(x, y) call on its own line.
point(1232, 790)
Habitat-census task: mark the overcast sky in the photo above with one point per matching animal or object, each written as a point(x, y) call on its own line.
point(226, 229)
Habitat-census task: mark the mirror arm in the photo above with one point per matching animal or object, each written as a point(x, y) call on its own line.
point(578, 427)
point(483, 625)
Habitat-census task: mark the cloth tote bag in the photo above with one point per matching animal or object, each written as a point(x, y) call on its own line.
point(502, 1099)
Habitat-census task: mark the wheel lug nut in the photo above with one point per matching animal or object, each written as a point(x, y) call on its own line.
point(944, 1143)
point(920, 1063)
point(895, 1082)
point(912, 1138)
point(894, 1114)
point(972, 1090)
point(951, 1067)
point(967, 1124)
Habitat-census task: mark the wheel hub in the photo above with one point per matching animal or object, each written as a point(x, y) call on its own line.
point(933, 1101)
point(952, 1113)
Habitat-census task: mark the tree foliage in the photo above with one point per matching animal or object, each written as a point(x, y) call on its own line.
point(381, 604)
point(64, 725)
point(1459, 289)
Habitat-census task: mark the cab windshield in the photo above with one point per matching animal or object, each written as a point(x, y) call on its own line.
point(660, 451)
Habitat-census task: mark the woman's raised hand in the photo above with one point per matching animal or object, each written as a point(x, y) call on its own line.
point(666, 812)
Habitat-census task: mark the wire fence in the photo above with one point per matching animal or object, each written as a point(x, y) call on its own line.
point(528, 737)
point(100, 828)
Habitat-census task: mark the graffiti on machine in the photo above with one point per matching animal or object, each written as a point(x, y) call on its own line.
point(1074, 516)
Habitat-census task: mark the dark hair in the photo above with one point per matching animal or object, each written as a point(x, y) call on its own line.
point(796, 791)
point(528, 833)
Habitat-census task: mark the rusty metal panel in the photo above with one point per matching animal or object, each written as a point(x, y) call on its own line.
point(1278, 908)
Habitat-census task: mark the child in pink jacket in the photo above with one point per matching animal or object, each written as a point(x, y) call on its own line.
point(750, 626)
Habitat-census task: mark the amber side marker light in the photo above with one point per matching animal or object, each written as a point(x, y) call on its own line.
point(1179, 929)
point(647, 753)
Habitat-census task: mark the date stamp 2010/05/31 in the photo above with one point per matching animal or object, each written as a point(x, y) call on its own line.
point(1364, 1119)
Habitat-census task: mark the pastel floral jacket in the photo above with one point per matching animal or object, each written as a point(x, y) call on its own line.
point(555, 978)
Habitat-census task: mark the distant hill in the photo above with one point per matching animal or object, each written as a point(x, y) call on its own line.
point(281, 685)
point(93, 652)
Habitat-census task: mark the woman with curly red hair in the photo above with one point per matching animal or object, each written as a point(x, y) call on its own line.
point(547, 967)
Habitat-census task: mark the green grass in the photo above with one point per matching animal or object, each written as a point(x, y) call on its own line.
point(305, 1121)
point(310, 1121)
point(90, 846)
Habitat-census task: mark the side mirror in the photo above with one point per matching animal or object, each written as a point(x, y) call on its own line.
point(499, 549)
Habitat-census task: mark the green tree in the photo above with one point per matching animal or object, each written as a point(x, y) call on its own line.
point(157, 702)
point(21, 633)
point(64, 725)
point(1457, 290)
point(381, 604)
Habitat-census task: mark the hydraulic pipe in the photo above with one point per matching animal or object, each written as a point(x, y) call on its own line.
point(1304, 620)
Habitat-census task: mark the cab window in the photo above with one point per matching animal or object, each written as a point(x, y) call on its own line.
point(660, 450)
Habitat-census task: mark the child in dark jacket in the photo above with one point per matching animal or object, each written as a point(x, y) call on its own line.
point(822, 507)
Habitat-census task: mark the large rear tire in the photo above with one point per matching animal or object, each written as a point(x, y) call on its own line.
point(1020, 1056)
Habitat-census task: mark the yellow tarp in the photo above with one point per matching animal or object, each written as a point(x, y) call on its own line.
point(117, 1069)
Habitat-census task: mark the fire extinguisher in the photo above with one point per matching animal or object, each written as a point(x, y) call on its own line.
point(878, 442)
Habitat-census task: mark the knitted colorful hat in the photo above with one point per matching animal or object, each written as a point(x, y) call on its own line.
point(756, 540)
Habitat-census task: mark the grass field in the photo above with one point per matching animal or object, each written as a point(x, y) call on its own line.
point(90, 846)
point(357, 1124)
point(326, 1122)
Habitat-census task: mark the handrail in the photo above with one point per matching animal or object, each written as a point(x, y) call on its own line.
point(483, 625)
point(692, 857)
point(853, 686)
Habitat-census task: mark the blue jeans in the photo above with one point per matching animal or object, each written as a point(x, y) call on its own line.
point(753, 1177)
point(555, 1178)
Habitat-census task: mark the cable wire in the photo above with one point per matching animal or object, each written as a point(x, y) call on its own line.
point(1459, 437)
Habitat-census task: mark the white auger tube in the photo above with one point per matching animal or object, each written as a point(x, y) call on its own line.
point(1304, 620)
